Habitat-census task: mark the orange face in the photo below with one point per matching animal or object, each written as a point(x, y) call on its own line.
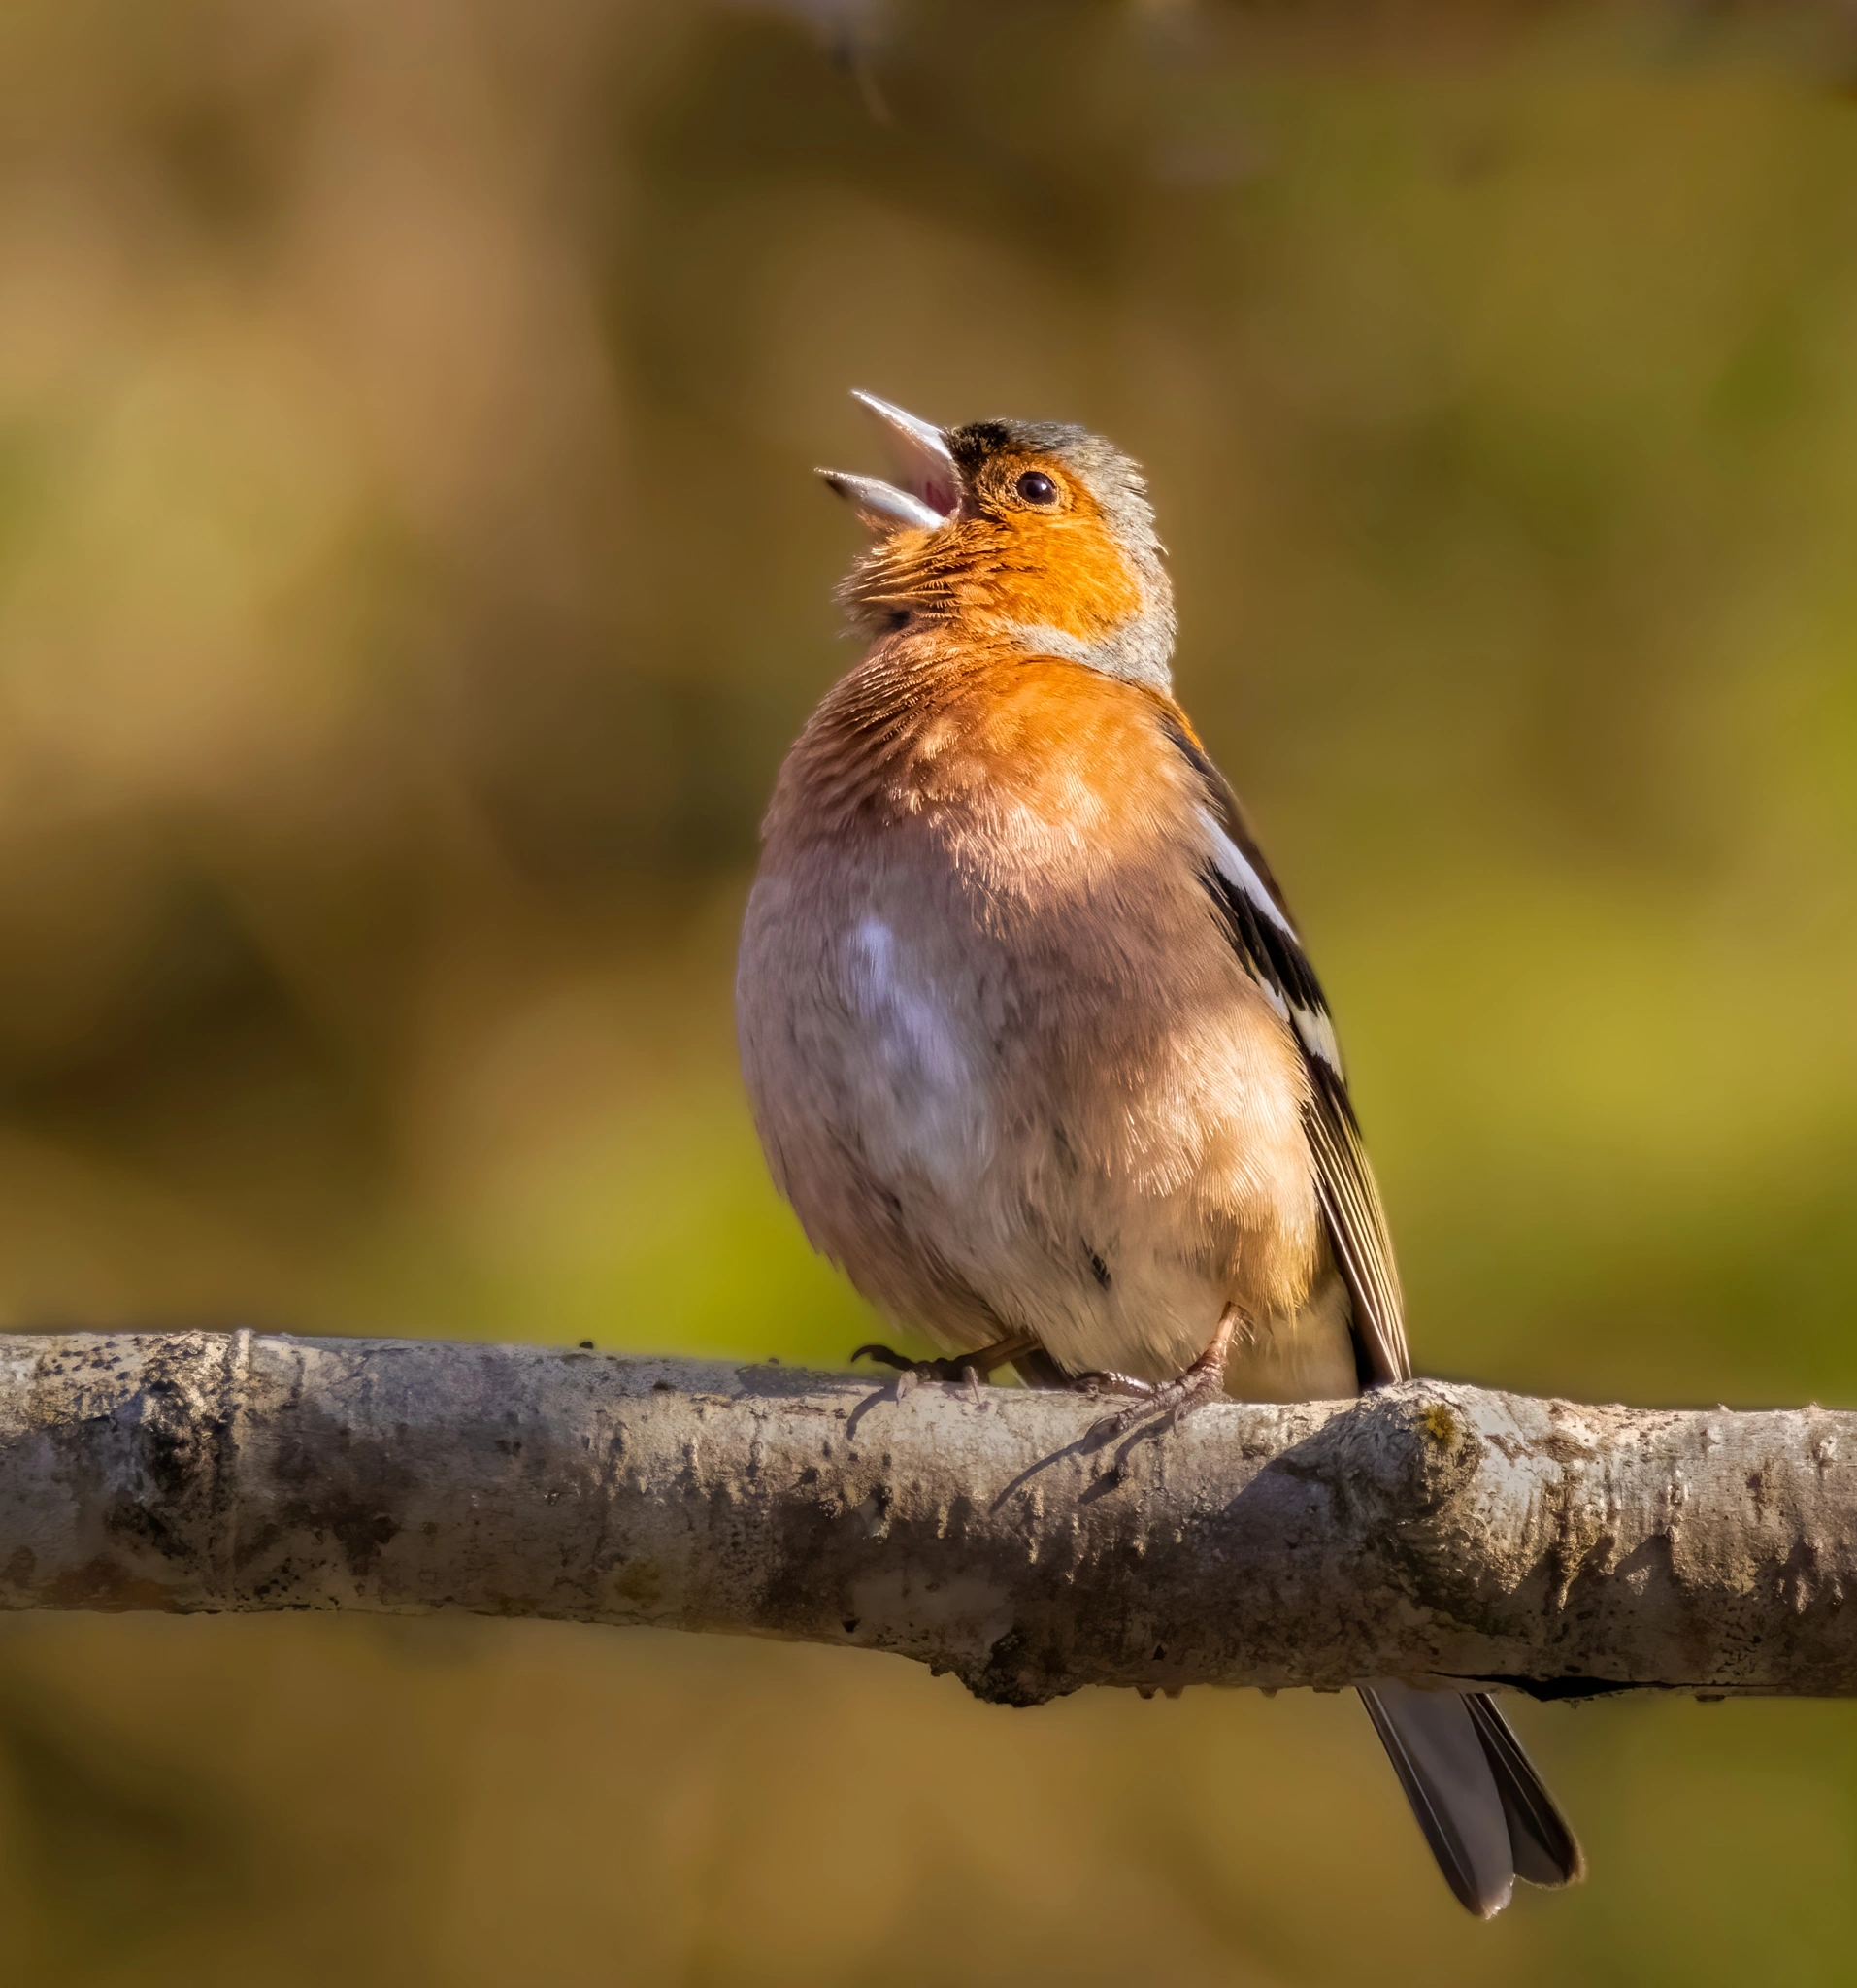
point(1031, 537)
point(1029, 548)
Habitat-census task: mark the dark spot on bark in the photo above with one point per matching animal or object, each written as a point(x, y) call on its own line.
point(641, 1582)
point(1017, 1672)
point(343, 1489)
point(1551, 1688)
point(850, 1625)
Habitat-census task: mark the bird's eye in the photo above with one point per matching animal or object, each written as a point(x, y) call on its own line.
point(1035, 488)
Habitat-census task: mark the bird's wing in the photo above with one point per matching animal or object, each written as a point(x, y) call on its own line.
point(1264, 937)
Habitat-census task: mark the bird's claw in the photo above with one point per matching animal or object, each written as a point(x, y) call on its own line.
point(910, 1374)
point(1172, 1401)
point(884, 1356)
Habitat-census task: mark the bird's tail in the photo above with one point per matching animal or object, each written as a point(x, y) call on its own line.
point(1482, 1806)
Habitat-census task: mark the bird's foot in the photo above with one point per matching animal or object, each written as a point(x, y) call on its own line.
point(1174, 1400)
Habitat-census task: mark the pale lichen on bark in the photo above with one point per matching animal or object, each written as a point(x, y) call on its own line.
point(1431, 1530)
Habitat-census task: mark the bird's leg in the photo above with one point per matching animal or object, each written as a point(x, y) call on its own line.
point(970, 1367)
point(1202, 1381)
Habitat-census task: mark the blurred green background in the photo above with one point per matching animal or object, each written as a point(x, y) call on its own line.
point(410, 573)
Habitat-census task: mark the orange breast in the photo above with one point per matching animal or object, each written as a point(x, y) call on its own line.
point(1020, 750)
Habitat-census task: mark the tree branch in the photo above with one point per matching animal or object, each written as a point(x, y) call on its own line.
point(1428, 1530)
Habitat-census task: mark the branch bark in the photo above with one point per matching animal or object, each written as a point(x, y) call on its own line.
point(1429, 1530)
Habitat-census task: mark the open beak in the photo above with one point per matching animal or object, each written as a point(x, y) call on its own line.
point(927, 490)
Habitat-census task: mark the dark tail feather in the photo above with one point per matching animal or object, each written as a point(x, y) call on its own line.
point(1546, 1849)
point(1475, 1794)
point(1439, 1757)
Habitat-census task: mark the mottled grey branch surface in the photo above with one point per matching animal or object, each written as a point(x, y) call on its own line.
point(1430, 1530)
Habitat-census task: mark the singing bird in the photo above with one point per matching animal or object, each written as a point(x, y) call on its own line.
point(1034, 1048)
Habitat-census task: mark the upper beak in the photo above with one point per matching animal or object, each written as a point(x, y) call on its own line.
point(927, 490)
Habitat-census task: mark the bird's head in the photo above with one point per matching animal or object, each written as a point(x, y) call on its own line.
point(1027, 532)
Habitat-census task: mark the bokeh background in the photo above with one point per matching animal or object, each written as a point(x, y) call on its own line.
point(410, 572)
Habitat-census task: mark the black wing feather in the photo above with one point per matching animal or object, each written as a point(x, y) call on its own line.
point(1272, 955)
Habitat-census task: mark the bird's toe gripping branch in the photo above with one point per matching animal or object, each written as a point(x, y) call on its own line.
point(1202, 1381)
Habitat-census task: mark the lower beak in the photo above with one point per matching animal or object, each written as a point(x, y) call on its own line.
point(882, 506)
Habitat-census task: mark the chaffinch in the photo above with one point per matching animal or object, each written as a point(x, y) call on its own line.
point(1033, 1045)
